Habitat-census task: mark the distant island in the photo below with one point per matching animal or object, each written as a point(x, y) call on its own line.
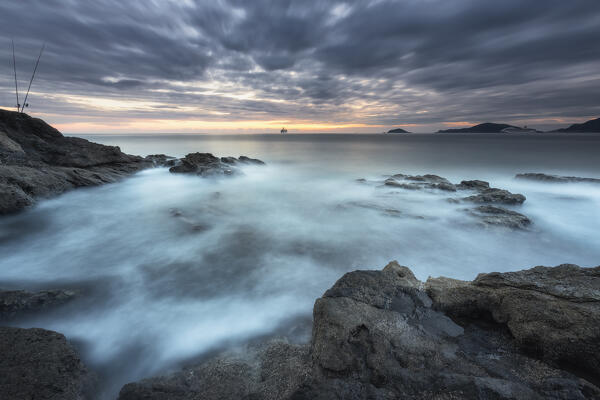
point(398, 130)
point(587, 127)
point(489, 127)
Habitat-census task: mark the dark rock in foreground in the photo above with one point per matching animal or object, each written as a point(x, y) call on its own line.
point(17, 302)
point(206, 164)
point(36, 161)
point(40, 364)
point(555, 178)
point(385, 335)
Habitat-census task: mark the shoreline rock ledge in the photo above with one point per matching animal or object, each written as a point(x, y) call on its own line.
point(532, 334)
point(37, 161)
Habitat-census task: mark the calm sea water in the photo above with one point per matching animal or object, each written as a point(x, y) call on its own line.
point(171, 268)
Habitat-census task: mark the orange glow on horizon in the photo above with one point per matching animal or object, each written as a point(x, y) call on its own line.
point(189, 126)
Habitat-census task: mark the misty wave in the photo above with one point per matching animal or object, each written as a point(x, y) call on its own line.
point(172, 267)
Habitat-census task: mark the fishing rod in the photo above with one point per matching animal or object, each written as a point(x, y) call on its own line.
point(15, 69)
point(32, 76)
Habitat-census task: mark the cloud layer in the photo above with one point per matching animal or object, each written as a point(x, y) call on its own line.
point(366, 65)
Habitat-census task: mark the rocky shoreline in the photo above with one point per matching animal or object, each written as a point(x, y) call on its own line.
point(37, 161)
point(531, 334)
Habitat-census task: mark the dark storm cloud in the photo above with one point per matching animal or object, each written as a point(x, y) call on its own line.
point(418, 61)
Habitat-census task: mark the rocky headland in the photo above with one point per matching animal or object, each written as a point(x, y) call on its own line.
point(37, 161)
point(531, 334)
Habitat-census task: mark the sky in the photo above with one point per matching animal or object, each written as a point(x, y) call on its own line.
point(237, 66)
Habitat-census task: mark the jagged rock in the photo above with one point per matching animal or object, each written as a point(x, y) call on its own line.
point(495, 195)
point(37, 161)
point(206, 164)
point(248, 160)
point(386, 335)
point(161, 160)
point(17, 302)
point(555, 178)
point(271, 371)
point(553, 313)
point(474, 185)
point(491, 215)
point(416, 182)
point(40, 364)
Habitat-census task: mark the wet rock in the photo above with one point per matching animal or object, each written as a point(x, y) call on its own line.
point(552, 313)
point(417, 182)
point(229, 160)
point(499, 216)
point(18, 302)
point(555, 178)
point(161, 160)
point(37, 161)
point(386, 335)
point(271, 371)
point(495, 195)
point(40, 364)
point(474, 185)
point(248, 160)
point(206, 164)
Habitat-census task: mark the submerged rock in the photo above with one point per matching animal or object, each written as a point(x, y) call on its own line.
point(386, 335)
point(491, 215)
point(40, 364)
point(271, 371)
point(17, 302)
point(555, 178)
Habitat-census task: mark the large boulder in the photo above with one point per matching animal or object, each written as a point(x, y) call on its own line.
point(552, 313)
point(36, 160)
point(386, 335)
point(40, 364)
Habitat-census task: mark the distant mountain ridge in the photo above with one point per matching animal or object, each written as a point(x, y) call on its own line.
point(486, 127)
point(590, 126)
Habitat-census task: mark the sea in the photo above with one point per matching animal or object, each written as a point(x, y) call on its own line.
point(171, 269)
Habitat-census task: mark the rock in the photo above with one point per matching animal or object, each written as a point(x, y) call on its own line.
point(417, 182)
point(474, 185)
point(491, 215)
point(161, 160)
point(495, 195)
point(37, 161)
point(248, 160)
point(40, 364)
point(229, 160)
point(386, 335)
point(555, 178)
point(271, 371)
point(552, 313)
point(17, 302)
point(205, 164)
